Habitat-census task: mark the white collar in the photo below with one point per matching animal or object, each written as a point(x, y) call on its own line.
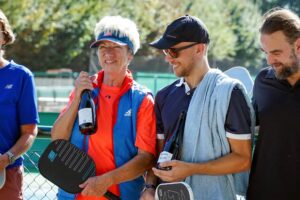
point(186, 86)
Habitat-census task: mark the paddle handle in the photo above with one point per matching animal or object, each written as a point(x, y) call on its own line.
point(111, 196)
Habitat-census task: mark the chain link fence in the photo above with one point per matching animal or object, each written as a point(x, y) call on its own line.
point(36, 187)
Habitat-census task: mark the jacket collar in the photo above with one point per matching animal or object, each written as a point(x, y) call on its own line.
point(182, 82)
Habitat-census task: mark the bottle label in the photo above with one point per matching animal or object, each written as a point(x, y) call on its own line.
point(85, 116)
point(164, 156)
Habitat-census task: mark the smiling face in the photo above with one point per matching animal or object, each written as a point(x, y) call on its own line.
point(280, 54)
point(184, 64)
point(114, 58)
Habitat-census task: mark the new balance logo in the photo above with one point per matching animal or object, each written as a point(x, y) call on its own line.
point(128, 113)
point(9, 86)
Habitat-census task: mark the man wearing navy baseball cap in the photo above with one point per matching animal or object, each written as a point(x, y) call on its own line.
point(215, 154)
point(183, 29)
point(123, 146)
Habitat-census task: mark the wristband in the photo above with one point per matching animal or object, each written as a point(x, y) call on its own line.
point(11, 157)
point(148, 186)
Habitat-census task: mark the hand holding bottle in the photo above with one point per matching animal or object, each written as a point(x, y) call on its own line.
point(179, 170)
point(82, 82)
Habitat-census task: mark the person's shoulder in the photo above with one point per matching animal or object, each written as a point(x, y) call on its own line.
point(167, 89)
point(266, 72)
point(237, 93)
point(20, 68)
point(140, 88)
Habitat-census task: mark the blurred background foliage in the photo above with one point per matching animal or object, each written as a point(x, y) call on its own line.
point(57, 33)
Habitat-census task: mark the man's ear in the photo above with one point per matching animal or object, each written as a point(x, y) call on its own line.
point(201, 48)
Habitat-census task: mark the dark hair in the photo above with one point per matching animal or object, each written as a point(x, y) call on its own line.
point(279, 19)
point(9, 36)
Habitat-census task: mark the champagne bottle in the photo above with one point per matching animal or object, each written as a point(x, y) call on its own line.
point(87, 113)
point(173, 145)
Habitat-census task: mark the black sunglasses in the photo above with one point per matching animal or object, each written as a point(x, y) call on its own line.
point(173, 52)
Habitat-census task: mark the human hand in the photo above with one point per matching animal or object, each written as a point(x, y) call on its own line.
point(3, 161)
point(82, 82)
point(179, 171)
point(148, 194)
point(96, 186)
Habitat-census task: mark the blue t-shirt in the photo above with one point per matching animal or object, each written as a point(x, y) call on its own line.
point(18, 105)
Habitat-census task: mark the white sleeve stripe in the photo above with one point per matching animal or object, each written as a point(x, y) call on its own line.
point(238, 136)
point(160, 136)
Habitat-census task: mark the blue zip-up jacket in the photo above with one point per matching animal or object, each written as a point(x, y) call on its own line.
point(124, 148)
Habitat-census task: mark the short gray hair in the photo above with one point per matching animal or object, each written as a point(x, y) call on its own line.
point(122, 27)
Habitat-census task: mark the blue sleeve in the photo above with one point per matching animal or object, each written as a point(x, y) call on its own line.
point(27, 101)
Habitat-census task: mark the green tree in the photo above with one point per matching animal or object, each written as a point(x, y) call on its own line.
point(265, 5)
point(245, 17)
point(233, 29)
point(50, 33)
point(57, 33)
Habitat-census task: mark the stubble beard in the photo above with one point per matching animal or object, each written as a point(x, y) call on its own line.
point(288, 69)
point(184, 71)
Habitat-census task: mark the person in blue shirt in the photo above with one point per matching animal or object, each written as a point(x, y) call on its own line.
point(18, 116)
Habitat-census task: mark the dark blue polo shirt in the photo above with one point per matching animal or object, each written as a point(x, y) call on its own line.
point(176, 97)
point(275, 172)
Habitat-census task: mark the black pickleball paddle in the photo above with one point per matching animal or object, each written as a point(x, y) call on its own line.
point(67, 166)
